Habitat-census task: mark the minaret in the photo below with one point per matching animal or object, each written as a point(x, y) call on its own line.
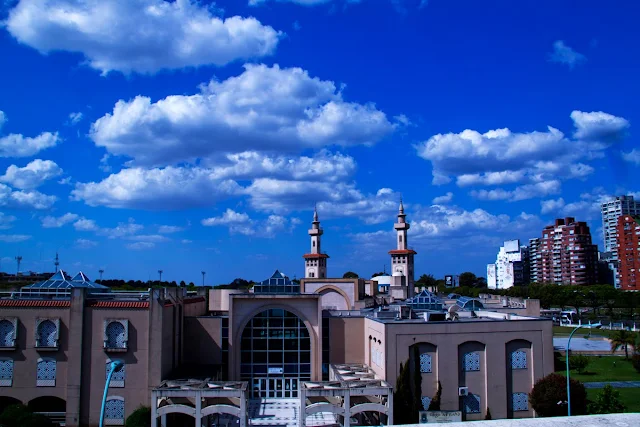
point(402, 271)
point(315, 262)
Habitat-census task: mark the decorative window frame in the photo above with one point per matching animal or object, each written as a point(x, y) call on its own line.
point(114, 421)
point(471, 361)
point(518, 359)
point(115, 383)
point(426, 363)
point(14, 322)
point(125, 324)
point(56, 322)
point(519, 398)
point(43, 382)
point(8, 382)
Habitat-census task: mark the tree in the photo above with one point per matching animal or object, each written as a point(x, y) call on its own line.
point(550, 390)
point(488, 416)
point(622, 339)
point(467, 279)
point(435, 402)
point(417, 385)
point(607, 402)
point(141, 417)
point(426, 280)
point(578, 363)
point(379, 273)
point(402, 396)
point(635, 361)
point(21, 416)
point(350, 275)
point(183, 284)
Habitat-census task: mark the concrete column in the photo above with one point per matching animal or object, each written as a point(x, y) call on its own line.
point(347, 409)
point(390, 409)
point(303, 406)
point(163, 420)
point(75, 398)
point(198, 422)
point(243, 409)
point(154, 409)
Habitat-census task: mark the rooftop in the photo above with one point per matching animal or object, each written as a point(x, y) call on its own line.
point(62, 281)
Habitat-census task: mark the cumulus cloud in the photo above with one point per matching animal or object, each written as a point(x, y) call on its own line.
point(3, 119)
point(632, 156)
point(524, 192)
point(159, 189)
point(564, 54)
point(74, 118)
point(551, 205)
point(140, 246)
point(441, 200)
point(6, 221)
point(500, 157)
point(587, 207)
point(151, 238)
point(57, 222)
point(142, 36)
point(32, 175)
point(24, 199)
point(16, 145)
point(85, 243)
point(262, 109)
point(84, 224)
point(241, 223)
point(14, 238)
point(169, 229)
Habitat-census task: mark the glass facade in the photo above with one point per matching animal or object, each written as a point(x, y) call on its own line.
point(275, 354)
point(278, 283)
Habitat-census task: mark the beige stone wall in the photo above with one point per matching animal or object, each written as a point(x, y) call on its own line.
point(203, 340)
point(346, 344)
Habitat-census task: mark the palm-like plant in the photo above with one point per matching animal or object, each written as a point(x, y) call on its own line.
point(623, 339)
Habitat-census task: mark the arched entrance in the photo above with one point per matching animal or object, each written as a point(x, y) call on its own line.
point(275, 354)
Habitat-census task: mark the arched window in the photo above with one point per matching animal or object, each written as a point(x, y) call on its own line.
point(472, 361)
point(46, 376)
point(7, 333)
point(47, 333)
point(425, 363)
point(518, 360)
point(6, 372)
point(116, 333)
point(117, 379)
point(114, 411)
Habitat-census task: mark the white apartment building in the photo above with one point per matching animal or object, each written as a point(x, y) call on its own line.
point(511, 266)
point(611, 211)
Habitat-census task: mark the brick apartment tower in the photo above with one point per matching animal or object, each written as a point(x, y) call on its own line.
point(566, 254)
point(628, 239)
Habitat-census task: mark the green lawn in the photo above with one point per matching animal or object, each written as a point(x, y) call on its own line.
point(563, 330)
point(606, 368)
point(630, 397)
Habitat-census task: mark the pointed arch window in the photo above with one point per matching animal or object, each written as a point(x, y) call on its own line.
point(47, 333)
point(8, 332)
point(116, 334)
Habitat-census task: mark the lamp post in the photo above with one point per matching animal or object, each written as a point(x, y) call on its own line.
point(116, 364)
point(203, 273)
point(567, 361)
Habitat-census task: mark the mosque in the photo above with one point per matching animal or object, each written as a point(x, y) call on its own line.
point(325, 351)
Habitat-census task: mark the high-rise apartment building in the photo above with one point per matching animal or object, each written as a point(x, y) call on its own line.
point(511, 267)
point(534, 260)
point(567, 255)
point(611, 211)
point(628, 242)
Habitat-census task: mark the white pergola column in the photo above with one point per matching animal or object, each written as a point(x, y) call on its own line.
point(347, 409)
point(303, 405)
point(198, 421)
point(243, 409)
point(163, 420)
point(390, 408)
point(154, 409)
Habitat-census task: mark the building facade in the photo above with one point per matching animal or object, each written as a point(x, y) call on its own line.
point(566, 254)
point(611, 211)
point(200, 354)
point(534, 260)
point(628, 249)
point(511, 267)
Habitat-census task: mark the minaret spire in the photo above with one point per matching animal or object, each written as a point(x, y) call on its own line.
point(402, 270)
point(315, 264)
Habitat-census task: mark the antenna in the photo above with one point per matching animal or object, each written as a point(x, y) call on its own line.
point(203, 273)
point(19, 260)
point(101, 271)
point(160, 273)
point(57, 262)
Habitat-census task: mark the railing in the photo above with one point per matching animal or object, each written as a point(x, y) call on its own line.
point(55, 417)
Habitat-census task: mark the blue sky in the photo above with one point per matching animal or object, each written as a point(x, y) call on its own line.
point(188, 136)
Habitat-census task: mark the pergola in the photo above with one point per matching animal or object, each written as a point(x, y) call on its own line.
point(353, 389)
point(200, 399)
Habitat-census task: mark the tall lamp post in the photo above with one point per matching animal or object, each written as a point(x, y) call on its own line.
point(115, 365)
point(203, 273)
point(567, 362)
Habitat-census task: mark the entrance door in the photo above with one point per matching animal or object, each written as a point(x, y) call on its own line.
point(275, 388)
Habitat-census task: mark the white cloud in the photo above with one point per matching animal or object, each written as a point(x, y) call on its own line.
point(169, 229)
point(186, 241)
point(16, 145)
point(121, 230)
point(564, 54)
point(142, 36)
point(85, 243)
point(241, 223)
point(14, 238)
point(524, 192)
point(441, 200)
point(32, 175)
point(262, 109)
point(74, 118)
point(139, 246)
point(586, 208)
point(57, 222)
point(551, 206)
point(167, 189)
point(152, 238)
point(296, 26)
point(24, 199)
point(6, 221)
point(84, 224)
point(3, 119)
point(632, 156)
point(501, 156)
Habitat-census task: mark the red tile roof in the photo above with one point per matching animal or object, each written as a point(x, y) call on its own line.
point(33, 303)
point(118, 304)
point(315, 256)
point(402, 252)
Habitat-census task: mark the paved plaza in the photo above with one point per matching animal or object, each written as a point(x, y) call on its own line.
point(284, 413)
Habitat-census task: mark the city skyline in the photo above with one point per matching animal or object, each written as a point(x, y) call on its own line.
point(125, 151)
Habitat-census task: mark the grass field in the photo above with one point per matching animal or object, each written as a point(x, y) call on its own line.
point(606, 368)
point(630, 397)
point(563, 330)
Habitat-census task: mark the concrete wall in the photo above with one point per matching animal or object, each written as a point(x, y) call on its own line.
point(346, 340)
point(203, 340)
point(219, 298)
point(335, 292)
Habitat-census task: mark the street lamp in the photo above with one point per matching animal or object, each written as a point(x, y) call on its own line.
point(203, 273)
point(115, 365)
point(567, 362)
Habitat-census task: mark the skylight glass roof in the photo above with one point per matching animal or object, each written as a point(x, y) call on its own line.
point(62, 280)
point(425, 300)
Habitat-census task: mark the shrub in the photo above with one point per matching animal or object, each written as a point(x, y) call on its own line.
point(578, 363)
point(435, 402)
point(550, 390)
point(141, 417)
point(635, 361)
point(21, 416)
point(607, 402)
point(488, 416)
